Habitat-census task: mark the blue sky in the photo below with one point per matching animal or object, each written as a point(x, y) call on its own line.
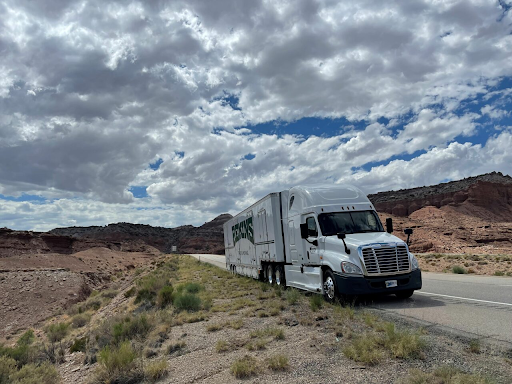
point(171, 113)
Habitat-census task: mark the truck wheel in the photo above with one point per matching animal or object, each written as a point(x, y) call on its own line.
point(270, 274)
point(404, 294)
point(330, 291)
point(279, 274)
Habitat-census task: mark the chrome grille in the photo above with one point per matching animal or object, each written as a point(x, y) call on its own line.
point(386, 259)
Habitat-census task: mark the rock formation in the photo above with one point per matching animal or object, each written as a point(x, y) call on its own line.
point(492, 192)
point(127, 237)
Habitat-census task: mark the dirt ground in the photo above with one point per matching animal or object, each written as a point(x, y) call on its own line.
point(491, 265)
point(36, 286)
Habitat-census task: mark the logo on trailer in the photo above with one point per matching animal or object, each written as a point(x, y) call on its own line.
point(243, 230)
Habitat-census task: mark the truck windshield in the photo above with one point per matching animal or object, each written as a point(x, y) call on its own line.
point(349, 222)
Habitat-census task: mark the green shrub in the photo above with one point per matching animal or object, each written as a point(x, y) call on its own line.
point(155, 370)
point(189, 287)
point(36, 374)
point(459, 270)
point(78, 345)
point(153, 282)
point(402, 344)
point(22, 354)
point(109, 293)
point(130, 328)
point(292, 296)
point(92, 303)
point(247, 366)
point(145, 295)
point(56, 332)
point(80, 320)
point(364, 349)
point(187, 302)
point(165, 296)
point(131, 292)
point(370, 348)
point(474, 346)
point(118, 364)
point(316, 302)
point(26, 339)
point(7, 368)
point(278, 362)
point(499, 273)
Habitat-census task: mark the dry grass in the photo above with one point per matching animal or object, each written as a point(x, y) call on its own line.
point(373, 346)
point(278, 362)
point(276, 333)
point(444, 375)
point(155, 370)
point(316, 302)
point(474, 346)
point(222, 346)
point(214, 327)
point(245, 367)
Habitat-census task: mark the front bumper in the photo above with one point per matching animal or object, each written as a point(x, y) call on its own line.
point(357, 285)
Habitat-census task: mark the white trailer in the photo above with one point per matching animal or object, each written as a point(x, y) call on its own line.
point(325, 239)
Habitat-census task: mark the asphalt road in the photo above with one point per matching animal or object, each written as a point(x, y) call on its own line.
point(475, 306)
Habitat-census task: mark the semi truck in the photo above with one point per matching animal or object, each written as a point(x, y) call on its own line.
point(323, 239)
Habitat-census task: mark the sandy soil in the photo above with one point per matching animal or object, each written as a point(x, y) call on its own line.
point(497, 265)
point(36, 286)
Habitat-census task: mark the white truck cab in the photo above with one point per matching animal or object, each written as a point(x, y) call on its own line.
point(326, 239)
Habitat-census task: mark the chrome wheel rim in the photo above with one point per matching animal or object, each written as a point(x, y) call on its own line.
point(329, 287)
point(269, 275)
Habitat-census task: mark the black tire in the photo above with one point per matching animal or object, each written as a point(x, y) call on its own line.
point(330, 289)
point(279, 276)
point(404, 294)
point(270, 274)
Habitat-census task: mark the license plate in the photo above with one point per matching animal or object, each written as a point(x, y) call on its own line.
point(391, 283)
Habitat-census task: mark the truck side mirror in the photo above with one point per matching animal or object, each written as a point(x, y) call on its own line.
point(304, 231)
point(389, 225)
point(342, 236)
point(408, 232)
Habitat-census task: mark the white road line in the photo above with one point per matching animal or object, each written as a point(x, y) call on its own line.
point(462, 298)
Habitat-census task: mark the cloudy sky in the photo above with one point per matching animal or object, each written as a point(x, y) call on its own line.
point(172, 112)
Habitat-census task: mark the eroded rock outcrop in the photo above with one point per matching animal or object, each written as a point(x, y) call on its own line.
point(491, 191)
point(125, 237)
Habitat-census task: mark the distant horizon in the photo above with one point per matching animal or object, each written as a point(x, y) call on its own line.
point(227, 213)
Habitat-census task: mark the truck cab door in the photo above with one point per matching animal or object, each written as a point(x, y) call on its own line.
point(311, 251)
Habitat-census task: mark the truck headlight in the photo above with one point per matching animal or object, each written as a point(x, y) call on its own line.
point(414, 262)
point(350, 268)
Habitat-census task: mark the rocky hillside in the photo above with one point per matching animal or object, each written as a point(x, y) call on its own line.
point(491, 191)
point(126, 237)
point(473, 215)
